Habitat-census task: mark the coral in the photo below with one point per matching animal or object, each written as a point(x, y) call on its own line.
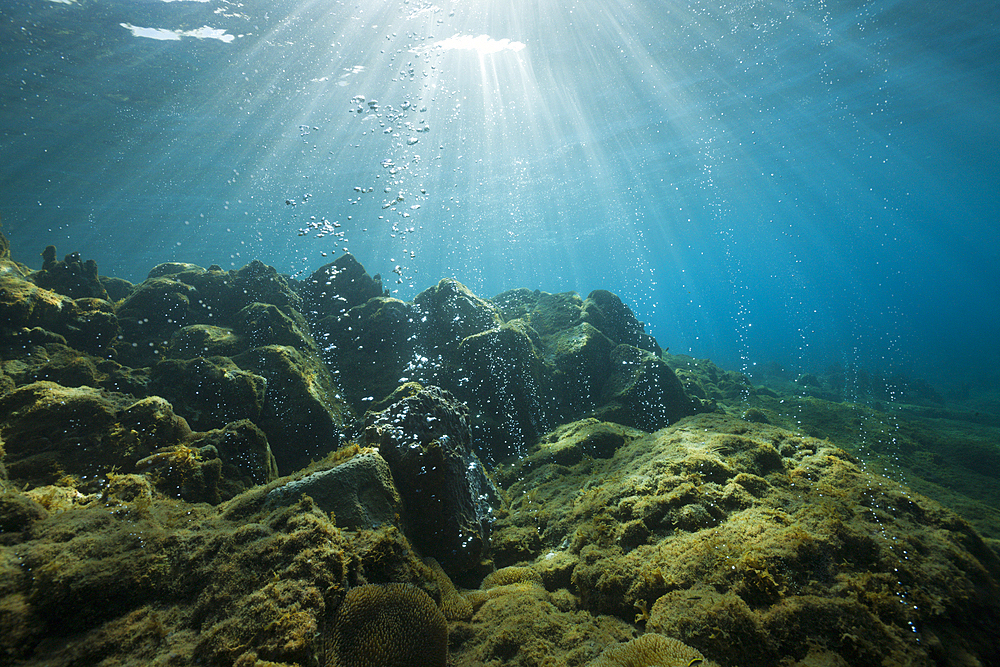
point(510, 575)
point(650, 650)
point(388, 625)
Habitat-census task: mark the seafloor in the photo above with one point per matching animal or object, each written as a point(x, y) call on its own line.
point(237, 468)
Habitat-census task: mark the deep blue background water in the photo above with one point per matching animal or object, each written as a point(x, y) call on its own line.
point(808, 182)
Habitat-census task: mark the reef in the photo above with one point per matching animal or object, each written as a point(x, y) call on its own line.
point(239, 468)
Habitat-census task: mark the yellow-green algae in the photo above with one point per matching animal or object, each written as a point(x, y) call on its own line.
point(746, 542)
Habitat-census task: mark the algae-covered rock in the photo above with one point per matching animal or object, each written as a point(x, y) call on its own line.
point(72, 277)
point(303, 413)
point(614, 319)
point(450, 313)
point(87, 323)
point(50, 431)
point(209, 392)
point(643, 392)
point(260, 324)
point(448, 497)
point(176, 296)
point(245, 454)
point(371, 348)
point(359, 492)
point(204, 340)
point(335, 288)
point(506, 382)
point(754, 545)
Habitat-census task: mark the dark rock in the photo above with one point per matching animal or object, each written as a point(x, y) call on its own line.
point(582, 358)
point(643, 392)
point(448, 498)
point(260, 324)
point(335, 288)
point(162, 305)
point(89, 324)
point(204, 340)
point(703, 379)
point(371, 347)
point(245, 453)
point(449, 314)
point(617, 321)
point(71, 277)
point(209, 392)
point(304, 414)
point(360, 492)
point(171, 268)
point(58, 363)
point(213, 466)
point(185, 472)
point(117, 288)
point(505, 385)
point(18, 512)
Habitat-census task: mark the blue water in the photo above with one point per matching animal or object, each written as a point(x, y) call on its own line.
point(808, 182)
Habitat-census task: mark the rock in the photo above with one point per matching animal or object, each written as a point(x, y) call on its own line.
point(703, 379)
point(260, 324)
point(18, 512)
point(570, 444)
point(371, 348)
point(214, 466)
point(117, 288)
point(582, 358)
point(88, 324)
point(50, 431)
point(71, 277)
point(359, 492)
point(506, 386)
point(245, 453)
point(204, 340)
point(448, 497)
point(171, 268)
point(617, 321)
point(643, 392)
point(304, 414)
point(164, 304)
point(48, 357)
point(335, 288)
point(449, 314)
point(209, 393)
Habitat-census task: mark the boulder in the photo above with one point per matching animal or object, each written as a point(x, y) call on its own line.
point(204, 340)
point(643, 392)
point(179, 295)
point(209, 392)
point(615, 320)
point(449, 314)
point(87, 323)
point(335, 288)
point(304, 413)
point(71, 277)
point(360, 492)
point(371, 348)
point(50, 431)
point(505, 383)
point(448, 498)
point(260, 324)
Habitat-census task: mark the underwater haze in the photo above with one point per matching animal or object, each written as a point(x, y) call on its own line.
point(798, 181)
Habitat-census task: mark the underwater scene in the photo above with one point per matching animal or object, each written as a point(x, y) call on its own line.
point(527, 333)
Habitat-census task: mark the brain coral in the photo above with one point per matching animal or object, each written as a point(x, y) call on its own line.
point(388, 625)
point(511, 575)
point(650, 650)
